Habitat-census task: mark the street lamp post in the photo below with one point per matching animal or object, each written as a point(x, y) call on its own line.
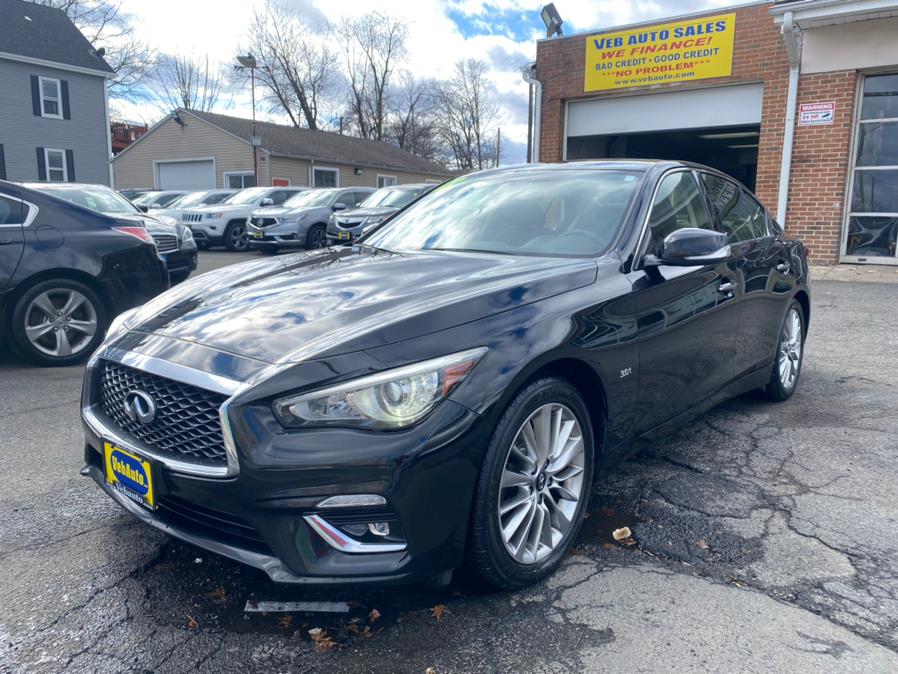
point(249, 61)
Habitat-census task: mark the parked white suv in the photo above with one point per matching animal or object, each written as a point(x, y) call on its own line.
point(225, 223)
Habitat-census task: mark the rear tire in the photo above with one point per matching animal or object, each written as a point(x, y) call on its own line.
point(58, 322)
point(789, 356)
point(235, 236)
point(524, 520)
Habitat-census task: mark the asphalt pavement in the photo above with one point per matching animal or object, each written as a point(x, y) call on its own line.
point(765, 540)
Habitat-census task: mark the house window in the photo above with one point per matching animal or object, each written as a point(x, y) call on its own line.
point(386, 181)
point(56, 168)
point(238, 181)
point(51, 98)
point(326, 177)
point(872, 227)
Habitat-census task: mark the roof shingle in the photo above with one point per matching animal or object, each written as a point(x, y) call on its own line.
point(40, 32)
point(289, 141)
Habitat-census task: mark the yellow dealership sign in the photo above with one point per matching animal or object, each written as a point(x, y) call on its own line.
point(692, 49)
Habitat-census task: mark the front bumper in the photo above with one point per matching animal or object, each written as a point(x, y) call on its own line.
point(260, 515)
point(180, 263)
point(210, 233)
point(276, 236)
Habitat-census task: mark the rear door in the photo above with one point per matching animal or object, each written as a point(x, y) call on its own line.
point(687, 317)
point(12, 236)
point(762, 267)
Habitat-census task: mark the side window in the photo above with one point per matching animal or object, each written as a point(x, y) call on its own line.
point(279, 196)
point(678, 205)
point(741, 217)
point(10, 212)
point(361, 196)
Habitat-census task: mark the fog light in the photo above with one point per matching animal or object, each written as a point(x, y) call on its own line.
point(355, 529)
point(379, 528)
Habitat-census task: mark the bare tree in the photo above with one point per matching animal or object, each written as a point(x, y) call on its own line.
point(185, 82)
point(373, 46)
point(412, 124)
point(468, 115)
point(105, 25)
point(296, 67)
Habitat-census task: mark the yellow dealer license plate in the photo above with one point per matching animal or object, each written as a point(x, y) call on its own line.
point(129, 474)
point(258, 235)
point(344, 235)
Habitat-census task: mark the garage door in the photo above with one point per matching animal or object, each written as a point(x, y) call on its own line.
point(186, 175)
point(698, 108)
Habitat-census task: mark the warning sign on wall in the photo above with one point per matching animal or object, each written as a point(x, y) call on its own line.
point(691, 49)
point(816, 114)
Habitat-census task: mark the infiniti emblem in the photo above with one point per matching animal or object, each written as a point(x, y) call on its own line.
point(139, 407)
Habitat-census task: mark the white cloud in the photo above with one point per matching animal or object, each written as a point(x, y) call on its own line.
point(501, 32)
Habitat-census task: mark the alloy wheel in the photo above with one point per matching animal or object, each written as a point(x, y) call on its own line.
point(60, 322)
point(790, 349)
point(541, 484)
point(317, 237)
point(238, 237)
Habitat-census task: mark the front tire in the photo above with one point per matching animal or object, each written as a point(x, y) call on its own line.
point(58, 322)
point(534, 486)
point(235, 237)
point(789, 356)
point(316, 237)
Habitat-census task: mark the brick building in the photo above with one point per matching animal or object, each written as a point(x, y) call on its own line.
point(732, 88)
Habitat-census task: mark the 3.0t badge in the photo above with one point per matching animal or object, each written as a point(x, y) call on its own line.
point(140, 407)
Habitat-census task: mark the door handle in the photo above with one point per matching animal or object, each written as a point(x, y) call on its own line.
point(727, 287)
point(7, 242)
point(783, 267)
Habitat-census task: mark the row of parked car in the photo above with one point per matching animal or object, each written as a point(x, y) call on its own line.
point(72, 256)
point(275, 218)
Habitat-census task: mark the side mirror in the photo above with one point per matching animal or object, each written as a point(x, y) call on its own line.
point(340, 206)
point(267, 201)
point(142, 208)
point(691, 247)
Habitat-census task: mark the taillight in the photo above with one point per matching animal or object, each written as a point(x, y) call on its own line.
point(137, 232)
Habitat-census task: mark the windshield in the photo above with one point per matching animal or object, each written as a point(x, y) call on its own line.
point(311, 198)
point(94, 198)
point(188, 200)
point(390, 196)
point(534, 212)
point(247, 196)
point(145, 198)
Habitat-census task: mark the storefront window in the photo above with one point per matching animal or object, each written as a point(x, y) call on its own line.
point(873, 216)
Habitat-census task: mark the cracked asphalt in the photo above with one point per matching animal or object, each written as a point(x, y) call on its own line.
point(766, 540)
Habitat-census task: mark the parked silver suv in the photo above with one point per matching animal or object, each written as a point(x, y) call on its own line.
point(302, 221)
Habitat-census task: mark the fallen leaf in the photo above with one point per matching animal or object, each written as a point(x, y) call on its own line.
point(286, 621)
point(218, 593)
point(438, 611)
point(621, 534)
point(374, 615)
point(322, 641)
point(192, 624)
point(701, 544)
point(430, 670)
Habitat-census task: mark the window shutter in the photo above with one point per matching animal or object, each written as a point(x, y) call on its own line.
point(70, 165)
point(2, 164)
point(41, 165)
point(64, 93)
point(36, 95)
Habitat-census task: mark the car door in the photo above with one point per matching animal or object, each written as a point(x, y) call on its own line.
point(686, 316)
point(12, 237)
point(762, 267)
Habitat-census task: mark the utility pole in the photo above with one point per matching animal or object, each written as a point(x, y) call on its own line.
point(498, 145)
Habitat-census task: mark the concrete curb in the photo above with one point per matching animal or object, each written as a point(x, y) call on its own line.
point(857, 273)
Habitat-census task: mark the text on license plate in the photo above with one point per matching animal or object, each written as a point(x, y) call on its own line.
point(343, 235)
point(258, 235)
point(129, 474)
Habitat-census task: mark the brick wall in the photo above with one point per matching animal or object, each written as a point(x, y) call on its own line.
point(820, 162)
point(820, 153)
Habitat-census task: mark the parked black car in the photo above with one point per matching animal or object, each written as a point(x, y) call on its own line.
point(449, 388)
point(344, 226)
point(66, 271)
point(174, 240)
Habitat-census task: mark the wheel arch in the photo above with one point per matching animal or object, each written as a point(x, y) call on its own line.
point(68, 274)
point(804, 300)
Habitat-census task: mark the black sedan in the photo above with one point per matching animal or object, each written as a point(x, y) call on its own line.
point(449, 389)
point(66, 271)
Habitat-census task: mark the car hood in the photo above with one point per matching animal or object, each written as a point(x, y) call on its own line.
point(274, 211)
point(332, 301)
point(223, 208)
point(147, 220)
point(367, 212)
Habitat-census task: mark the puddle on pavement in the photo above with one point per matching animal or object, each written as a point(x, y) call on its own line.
point(212, 593)
point(602, 520)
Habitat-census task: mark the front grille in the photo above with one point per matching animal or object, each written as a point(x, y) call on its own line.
point(186, 426)
point(165, 243)
point(228, 527)
point(264, 222)
point(192, 217)
point(348, 223)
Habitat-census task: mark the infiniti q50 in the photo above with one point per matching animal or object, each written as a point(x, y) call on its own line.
point(448, 389)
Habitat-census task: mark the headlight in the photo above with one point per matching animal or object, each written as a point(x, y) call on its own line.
point(213, 216)
point(374, 220)
point(186, 235)
point(120, 324)
point(291, 219)
point(388, 400)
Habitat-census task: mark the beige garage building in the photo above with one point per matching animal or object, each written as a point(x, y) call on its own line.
point(200, 150)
